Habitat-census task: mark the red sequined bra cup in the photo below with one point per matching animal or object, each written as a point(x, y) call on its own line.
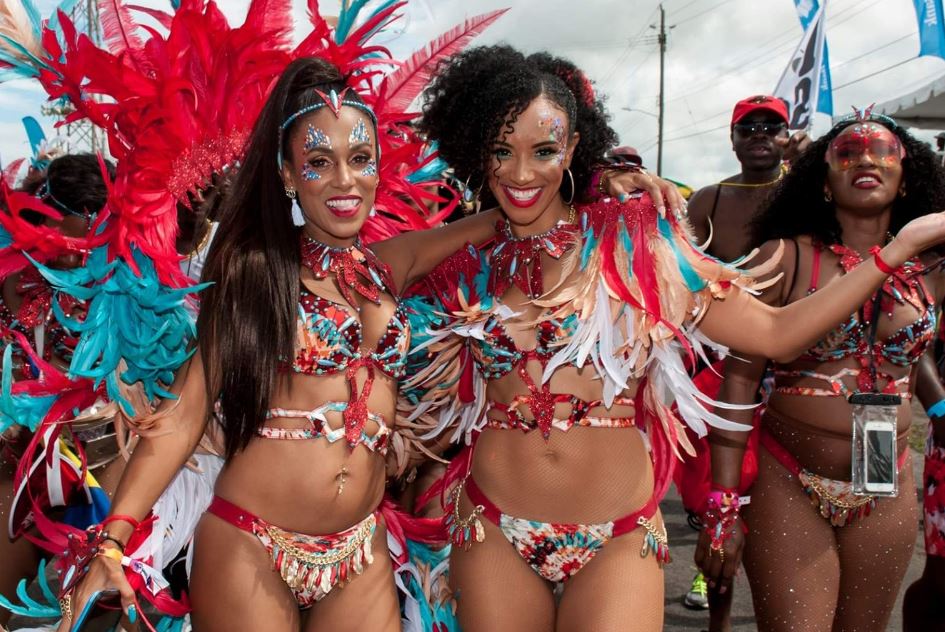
point(330, 339)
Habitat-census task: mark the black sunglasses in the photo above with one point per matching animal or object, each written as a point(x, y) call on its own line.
point(768, 129)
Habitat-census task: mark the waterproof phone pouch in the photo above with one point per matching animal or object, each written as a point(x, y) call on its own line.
point(875, 466)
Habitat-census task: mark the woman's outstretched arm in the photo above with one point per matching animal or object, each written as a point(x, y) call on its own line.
point(742, 377)
point(747, 325)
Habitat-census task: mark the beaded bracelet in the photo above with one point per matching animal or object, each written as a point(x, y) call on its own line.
point(719, 517)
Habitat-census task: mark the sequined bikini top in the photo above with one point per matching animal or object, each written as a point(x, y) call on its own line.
point(904, 346)
point(330, 338)
point(516, 261)
point(497, 355)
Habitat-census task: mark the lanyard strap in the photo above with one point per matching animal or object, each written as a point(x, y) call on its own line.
point(871, 340)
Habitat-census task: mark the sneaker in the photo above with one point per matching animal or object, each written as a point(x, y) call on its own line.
point(698, 596)
point(694, 521)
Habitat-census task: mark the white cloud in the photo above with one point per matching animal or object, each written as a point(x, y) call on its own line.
point(718, 52)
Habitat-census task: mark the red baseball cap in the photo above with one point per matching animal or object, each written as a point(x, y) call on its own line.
point(759, 102)
point(625, 153)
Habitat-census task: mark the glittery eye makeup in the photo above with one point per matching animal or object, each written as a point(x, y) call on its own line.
point(370, 169)
point(309, 174)
point(359, 134)
point(556, 132)
point(316, 138)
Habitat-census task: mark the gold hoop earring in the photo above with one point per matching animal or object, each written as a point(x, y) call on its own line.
point(573, 188)
point(828, 196)
point(289, 192)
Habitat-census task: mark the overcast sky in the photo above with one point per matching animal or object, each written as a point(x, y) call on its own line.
point(718, 52)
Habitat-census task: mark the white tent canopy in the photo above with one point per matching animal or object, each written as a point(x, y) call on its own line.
point(923, 108)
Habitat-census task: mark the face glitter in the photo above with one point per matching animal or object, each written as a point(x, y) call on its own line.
point(556, 132)
point(359, 134)
point(316, 138)
point(309, 174)
point(370, 169)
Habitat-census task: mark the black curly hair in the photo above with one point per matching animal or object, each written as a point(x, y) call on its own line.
point(797, 206)
point(70, 184)
point(477, 95)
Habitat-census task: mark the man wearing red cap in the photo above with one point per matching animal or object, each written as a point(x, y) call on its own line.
point(762, 143)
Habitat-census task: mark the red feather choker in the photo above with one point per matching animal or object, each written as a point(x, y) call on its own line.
point(517, 260)
point(357, 269)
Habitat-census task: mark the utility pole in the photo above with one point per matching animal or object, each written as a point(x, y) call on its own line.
point(659, 138)
point(81, 135)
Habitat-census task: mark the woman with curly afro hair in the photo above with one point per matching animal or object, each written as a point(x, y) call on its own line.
point(560, 340)
point(836, 565)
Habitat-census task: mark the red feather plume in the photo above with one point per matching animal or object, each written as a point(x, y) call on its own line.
point(401, 88)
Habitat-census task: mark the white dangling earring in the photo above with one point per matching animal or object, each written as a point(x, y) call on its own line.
point(373, 212)
point(297, 218)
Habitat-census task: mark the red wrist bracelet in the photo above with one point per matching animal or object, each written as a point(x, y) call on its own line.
point(884, 267)
point(121, 518)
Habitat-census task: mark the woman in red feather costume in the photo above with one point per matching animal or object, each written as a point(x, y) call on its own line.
point(552, 350)
point(315, 358)
point(305, 370)
point(69, 194)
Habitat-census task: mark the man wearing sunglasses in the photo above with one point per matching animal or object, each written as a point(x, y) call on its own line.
point(762, 143)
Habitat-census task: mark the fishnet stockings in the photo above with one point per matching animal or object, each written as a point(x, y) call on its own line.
point(807, 575)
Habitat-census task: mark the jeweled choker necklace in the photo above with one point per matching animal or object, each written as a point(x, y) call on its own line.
point(357, 269)
point(517, 260)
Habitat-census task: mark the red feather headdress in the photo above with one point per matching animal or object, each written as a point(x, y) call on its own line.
point(177, 106)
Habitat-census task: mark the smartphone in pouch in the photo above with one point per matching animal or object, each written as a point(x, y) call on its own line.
point(880, 451)
point(875, 469)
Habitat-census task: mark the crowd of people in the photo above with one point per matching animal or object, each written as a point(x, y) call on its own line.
point(300, 359)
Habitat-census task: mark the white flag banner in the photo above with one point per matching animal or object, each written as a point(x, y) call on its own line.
point(800, 82)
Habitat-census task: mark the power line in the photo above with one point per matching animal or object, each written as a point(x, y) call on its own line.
point(623, 56)
point(701, 13)
point(869, 52)
point(849, 83)
point(775, 49)
point(872, 74)
point(686, 6)
point(844, 63)
point(692, 135)
point(768, 52)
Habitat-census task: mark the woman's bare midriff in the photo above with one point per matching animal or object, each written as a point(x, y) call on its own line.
point(294, 483)
point(584, 475)
point(821, 442)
